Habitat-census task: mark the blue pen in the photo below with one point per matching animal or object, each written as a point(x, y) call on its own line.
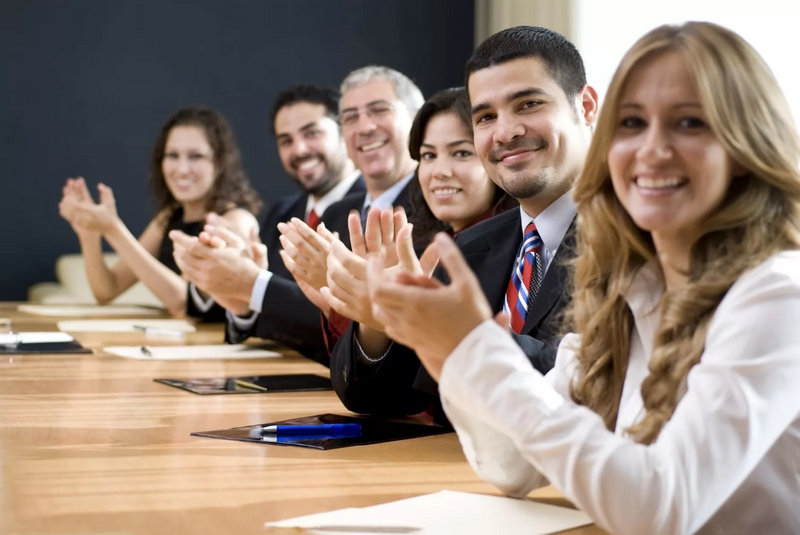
point(321, 429)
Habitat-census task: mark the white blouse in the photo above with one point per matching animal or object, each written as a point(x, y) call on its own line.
point(728, 461)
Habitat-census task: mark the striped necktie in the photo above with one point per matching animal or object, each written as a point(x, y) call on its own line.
point(526, 279)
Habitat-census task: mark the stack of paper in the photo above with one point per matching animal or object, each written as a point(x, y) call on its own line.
point(225, 351)
point(446, 513)
point(123, 326)
point(78, 311)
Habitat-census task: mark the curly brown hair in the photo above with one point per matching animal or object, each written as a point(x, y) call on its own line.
point(759, 217)
point(231, 188)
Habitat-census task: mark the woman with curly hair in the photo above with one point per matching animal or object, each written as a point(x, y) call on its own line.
point(674, 409)
point(195, 170)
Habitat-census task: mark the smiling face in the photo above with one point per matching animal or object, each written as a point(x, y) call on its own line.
point(310, 146)
point(667, 167)
point(453, 181)
point(375, 125)
point(188, 164)
point(527, 133)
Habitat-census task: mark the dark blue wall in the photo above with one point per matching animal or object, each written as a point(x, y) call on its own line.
point(86, 84)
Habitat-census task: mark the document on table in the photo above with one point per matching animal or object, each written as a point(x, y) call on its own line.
point(123, 326)
point(89, 310)
point(448, 513)
point(223, 351)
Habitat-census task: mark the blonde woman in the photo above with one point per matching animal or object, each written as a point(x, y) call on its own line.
point(676, 408)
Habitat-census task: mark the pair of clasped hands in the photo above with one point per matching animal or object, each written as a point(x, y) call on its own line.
point(382, 285)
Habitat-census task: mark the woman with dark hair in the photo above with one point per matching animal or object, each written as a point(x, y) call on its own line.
point(195, 171)
point(453, 191)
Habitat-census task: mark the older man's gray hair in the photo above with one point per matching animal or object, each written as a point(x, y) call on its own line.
point(406, 90)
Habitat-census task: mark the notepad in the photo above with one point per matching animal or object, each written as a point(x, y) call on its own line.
point(452, 513)
point(92, 310)
point(122, 326)
point(223, 351)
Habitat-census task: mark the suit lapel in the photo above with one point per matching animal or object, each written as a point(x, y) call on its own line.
point(553, 283)
point(493, 259)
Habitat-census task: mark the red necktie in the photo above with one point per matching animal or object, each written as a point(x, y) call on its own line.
point(525, 280)
point(312, 219)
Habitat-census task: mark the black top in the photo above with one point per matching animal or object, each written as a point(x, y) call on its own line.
point(176, 222)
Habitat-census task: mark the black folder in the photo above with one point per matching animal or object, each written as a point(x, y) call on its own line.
point(373, 431)
point(256, 384)
point(43, 348)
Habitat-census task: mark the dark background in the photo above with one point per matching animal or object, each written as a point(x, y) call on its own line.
point(86, 84)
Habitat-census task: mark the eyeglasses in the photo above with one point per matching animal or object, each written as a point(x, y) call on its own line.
point(377, 111)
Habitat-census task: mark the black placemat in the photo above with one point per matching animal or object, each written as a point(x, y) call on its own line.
point(373, 431)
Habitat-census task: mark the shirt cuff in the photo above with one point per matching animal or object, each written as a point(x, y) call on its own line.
point(259, 290)
point(201, 304)
point(363, 357)
point(242, 324)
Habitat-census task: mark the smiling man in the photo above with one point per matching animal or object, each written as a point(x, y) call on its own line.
point(377, 108)
point(532, 113)
point(314, 155)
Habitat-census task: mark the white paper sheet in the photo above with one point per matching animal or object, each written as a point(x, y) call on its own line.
point(453, 513)
point(223, 351)
point(34, 338)
point(88, 311)
point(122, 326)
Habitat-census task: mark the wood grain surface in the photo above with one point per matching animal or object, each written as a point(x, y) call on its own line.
point(89, 444)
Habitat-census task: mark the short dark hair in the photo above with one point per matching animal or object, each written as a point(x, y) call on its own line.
point(231, 187)
point(562, 60)
point(307, 93)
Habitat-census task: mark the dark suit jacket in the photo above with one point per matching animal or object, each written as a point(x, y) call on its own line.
point(287, 316)
point(398, 385)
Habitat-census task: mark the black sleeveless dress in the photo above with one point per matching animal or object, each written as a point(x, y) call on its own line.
point(192, 228)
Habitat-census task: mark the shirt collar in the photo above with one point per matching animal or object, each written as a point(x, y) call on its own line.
point(645, 290)
point(553, 223)
point(386, 199)
point(334, 195)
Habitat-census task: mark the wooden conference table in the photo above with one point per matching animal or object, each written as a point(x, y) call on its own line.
point(89, 444)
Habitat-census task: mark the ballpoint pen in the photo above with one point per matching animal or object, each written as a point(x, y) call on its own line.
point(157, 331)
point(248, 384)
point(342, 529)
point(321, 429)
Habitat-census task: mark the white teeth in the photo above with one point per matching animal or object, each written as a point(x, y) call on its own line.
point(658, 183)
point(308, 165)
point(445, 191)
point(372, 146)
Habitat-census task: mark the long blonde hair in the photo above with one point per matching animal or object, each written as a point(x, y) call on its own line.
point(760, 216)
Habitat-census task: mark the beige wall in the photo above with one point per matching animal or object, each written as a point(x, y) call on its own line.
point(491, 16)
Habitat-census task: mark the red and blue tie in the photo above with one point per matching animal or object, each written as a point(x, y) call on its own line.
point(526, 279)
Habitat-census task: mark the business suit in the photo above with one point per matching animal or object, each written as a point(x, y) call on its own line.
point(287, 316)
point(399, 385)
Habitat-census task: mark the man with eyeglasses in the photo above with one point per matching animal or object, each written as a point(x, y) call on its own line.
point(378, 105)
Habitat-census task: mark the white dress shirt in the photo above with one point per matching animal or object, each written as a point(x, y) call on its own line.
point(552, 225)
point(728, 461)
